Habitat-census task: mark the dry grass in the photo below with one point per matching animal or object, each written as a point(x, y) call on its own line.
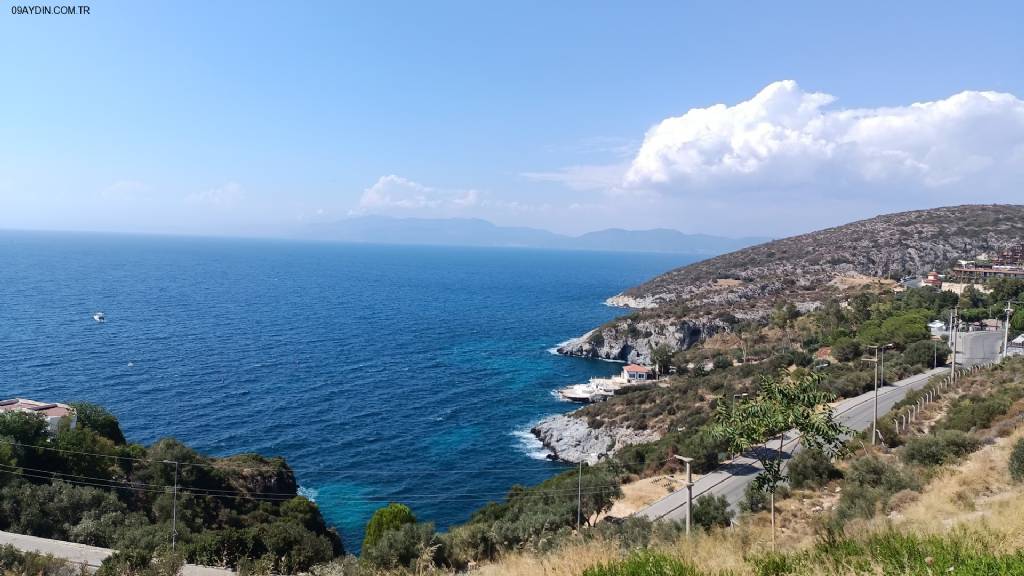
point(979, 491)
point(855, 280)
point(641, 493)
point(715, 552)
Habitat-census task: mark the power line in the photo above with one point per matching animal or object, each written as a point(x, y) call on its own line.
point(229, 466)
point(164, 489)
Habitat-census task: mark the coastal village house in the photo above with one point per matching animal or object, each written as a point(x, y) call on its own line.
point(637, 373)
point(1008, 264)
point(52, 413)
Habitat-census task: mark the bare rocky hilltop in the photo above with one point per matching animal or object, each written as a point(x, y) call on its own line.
point(686, 305)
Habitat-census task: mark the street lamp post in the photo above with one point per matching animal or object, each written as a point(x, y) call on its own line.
point(879, 377)
point(1006, 327)
point(689, 490)
point(954, 321)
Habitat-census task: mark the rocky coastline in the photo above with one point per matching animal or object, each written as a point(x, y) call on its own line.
point(571, 439)
point(633, 340)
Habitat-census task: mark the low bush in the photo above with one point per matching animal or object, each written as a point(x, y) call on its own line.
point(711, 511)
point(942, 447)
point(140, 563)
point(1016, 463)
point(870, 484)
point(754, 499)
point(811, 469)
point(404, 547)
point(975, 411)
point(14, 561)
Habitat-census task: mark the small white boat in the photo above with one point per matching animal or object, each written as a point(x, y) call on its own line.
point(99, 317)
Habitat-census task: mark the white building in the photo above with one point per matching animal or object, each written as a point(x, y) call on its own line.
point(636, 372)
point(53, 413)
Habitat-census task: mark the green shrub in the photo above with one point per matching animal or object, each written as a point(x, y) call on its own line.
point(645, 563)
point(391, 517)
point(942, 447)
point(99, 420)
point(403, 546)
point(926, 353)
point(870, 484)
point(125, 563)
point(845, 349)
point(754, 499)
point(1016, 463)
point(710, 511)
point(975, 412)
point(811, 469)
point(16, 562)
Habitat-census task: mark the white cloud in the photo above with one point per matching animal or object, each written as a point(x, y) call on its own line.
point(396, 192)
point(393, 193)
point(787, 138)
point(226, 196)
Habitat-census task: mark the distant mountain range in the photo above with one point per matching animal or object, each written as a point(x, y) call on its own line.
point(476, 232)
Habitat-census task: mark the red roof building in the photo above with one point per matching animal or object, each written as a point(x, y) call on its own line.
point(634, 372)
point(52, 413)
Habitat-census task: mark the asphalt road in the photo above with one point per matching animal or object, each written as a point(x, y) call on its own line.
point(731, 479)
point(89, 556)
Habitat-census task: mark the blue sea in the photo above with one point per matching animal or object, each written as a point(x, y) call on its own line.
point(382, 373)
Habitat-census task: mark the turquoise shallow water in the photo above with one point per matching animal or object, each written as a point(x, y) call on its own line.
point(381, 373)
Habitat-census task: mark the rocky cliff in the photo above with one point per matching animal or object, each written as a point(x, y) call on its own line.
point(632, 339)
point(572, 440)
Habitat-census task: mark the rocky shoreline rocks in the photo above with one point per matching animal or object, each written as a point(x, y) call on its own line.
point(571, 439)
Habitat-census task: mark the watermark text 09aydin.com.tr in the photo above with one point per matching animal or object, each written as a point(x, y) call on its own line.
point(49, 9)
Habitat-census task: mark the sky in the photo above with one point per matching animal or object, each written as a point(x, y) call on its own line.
point(729, 118)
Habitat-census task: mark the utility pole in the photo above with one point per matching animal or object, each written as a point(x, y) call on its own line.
point(579, 498)
point(874, 408)
point(689, 491)
point(174, 507)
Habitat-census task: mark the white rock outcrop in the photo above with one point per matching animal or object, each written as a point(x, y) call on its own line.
point(571, 439)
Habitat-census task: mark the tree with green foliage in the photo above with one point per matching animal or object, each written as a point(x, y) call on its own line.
point(391, 517)
point(845, 349)
point(661, 357)
point(711, 511)
point(925, 353)
point(782, 404)
point(1017, 320)
point(811, 469)
point(99, 420)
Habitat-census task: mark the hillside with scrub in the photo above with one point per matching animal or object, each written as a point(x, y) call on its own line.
point(87, 484)
point(688, 305)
